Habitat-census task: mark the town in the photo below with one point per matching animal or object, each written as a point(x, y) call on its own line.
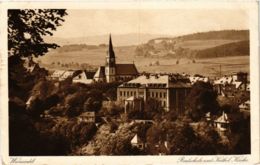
point(126, 87)
point(119, 111)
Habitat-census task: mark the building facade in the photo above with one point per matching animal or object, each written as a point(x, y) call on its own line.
point(169, 90)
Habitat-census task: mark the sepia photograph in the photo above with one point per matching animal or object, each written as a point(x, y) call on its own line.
point(129, 82)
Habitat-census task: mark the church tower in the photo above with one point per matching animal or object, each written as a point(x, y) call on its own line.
point(110, 68)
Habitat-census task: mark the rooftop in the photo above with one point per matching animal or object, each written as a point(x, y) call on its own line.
point(158, 81)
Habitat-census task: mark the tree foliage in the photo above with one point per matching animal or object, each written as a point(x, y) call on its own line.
point(26, 29)
point(202, 99)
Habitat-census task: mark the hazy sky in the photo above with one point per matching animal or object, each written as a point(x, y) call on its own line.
point(91, 22)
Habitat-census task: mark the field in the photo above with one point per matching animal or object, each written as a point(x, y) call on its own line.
point(212, 67)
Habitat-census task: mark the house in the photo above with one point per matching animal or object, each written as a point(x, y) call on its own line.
point(138, 142)
point(88, 117)
point(57, 74)
point(195, 78)
point(229, 85)
point(169, 89)
point(112, 71)
point(66, 74)
point(222, 123)
point(84, 77)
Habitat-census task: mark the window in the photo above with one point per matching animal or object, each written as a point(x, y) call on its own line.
point(156, 94)
point(160, 94)
point(164, 94)
point(131, 93)
point(124, 93)
point(127, 94)
point(120, 93)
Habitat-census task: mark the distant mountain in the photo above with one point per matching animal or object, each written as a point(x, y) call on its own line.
point(118, 40)
point(198, 45)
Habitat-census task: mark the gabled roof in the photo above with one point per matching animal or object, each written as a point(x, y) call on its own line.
point(126, 69)
point(194, 79)
point(67, 74)
point(57, 73)
point(137, 139)
point(224, 80)
point(89, 75)
point(100, 72)
point(237, 83)
point(223, 118)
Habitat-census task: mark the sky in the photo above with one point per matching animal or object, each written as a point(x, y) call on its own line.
point(92, 22)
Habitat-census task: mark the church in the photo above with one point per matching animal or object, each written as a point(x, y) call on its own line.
point(112, 71)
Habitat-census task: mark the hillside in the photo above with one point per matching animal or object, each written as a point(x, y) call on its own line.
point(240, 48)
point(214, 35)
point(198, 45)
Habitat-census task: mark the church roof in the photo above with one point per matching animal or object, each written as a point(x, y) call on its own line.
point(126, 69)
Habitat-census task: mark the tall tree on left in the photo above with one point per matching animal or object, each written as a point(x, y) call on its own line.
point(27, 27)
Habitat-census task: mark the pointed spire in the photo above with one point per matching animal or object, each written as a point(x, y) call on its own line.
point(110, 48)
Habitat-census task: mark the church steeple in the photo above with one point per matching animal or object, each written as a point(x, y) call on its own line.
point(111, 53)
point(110, 68)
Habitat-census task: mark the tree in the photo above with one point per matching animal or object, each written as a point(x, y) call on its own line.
point(202, 99)
point(27, 27)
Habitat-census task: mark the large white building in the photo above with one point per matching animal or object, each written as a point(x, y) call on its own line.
point(169, 90)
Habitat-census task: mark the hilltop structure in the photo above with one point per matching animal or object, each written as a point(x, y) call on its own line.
point(112, 71)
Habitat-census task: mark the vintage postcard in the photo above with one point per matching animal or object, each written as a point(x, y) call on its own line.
point(129, 82)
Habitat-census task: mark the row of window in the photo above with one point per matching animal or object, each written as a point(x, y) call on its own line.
point(152, 94)
point(127, 93)
point(158, 94)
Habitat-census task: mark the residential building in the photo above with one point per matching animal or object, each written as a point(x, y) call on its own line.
point(169, 89)
point(229, 85)
point(61, 75)
point(85, 77)
point(222, 123)
point(138, 142)
point(196, 78)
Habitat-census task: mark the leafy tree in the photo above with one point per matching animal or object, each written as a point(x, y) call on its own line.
point(27, 27)
point(152, 108)
point(202, 99)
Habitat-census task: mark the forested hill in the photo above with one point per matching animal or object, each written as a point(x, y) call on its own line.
point(215, 35)
point(198, 45)
point(233, 49)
